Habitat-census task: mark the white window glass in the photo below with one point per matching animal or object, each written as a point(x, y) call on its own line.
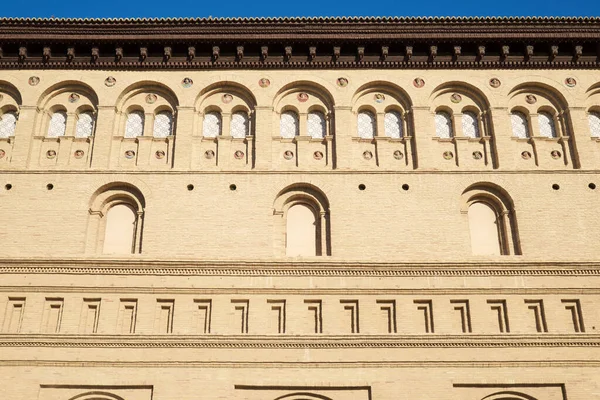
point(547, 127)
point(58, 124)
point(8, 123)
point(393, 125)
point(288, 125)
point(470, 125)
point(211, 127)
point(366, 125)
point(163, 124)
point(520, 126)
point(443, 125)
point(316, 125)
point(239, 125)
point(85, 125)
point(135, 124)
point(594, 119)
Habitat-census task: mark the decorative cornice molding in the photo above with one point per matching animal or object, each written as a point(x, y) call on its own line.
point(305, 342)
point(317, 43)
point(141, 266)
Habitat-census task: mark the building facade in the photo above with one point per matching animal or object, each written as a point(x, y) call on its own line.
point(300, 209)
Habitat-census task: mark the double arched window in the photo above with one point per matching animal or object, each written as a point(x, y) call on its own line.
point(521, 125)
point(136, 121)
point(8, 124)
point(469, 123)
point(84, 125)
point(239, 126)
point(289, 124)
point(393, 124)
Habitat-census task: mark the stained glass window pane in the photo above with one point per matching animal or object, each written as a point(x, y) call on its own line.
point(443, 125)
point(163, 124)
point(366, 125)
point(58, 124)
point(85, 125)
point(239, 125)
point(288, 125)
point(547, 127)
point(520, 127)
point(8, 123)
point(316, 125)
point(470, 125)
point(393, 124)
point(212, 124)
point(594, 119)
point(135, 124)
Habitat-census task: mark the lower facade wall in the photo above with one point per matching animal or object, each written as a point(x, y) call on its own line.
point(376, 381)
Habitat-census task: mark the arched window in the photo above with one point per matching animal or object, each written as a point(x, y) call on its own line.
point(240, 125)
point(288, 125)
point(367, 125)
point(443, 125)
point(301, 231)
point(520, 125)
point(393, 124)
point(85, 125)
point(317, 128)
point(163, 124)
point(58, 124)
point(8, 123)
point(547, 127)
point(212, 125)
point(483, 226)
point(119, 234)
point(135, 124)
point(470, 125)
point(594, 119)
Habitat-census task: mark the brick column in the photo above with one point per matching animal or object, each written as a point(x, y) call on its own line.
point(106, 129)
point(24, 133)
point(182, 157)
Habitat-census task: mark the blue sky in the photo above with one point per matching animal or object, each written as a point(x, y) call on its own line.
point(249, 8)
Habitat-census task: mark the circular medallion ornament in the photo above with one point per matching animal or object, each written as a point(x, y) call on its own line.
point(318, 155)
point(398, 155)
point(367, 155)
point(342, 82)
point(477, 155)
point(73, 98)
point(34, 80)
point(448, 155)
point(159, 154)
point(418, 82)
point(302, 97)
point(288, 154)
point(78, 154)
point(570, 82)
point(525, 155)
point(264, 83)
point(227, 98)
point(129, 154)
point(151, 98)
point(187, 82)
point(456, 98)
point(238, 155)
point(51, 154)
point(531, 99)
point(110, 81)
point(495, 82)
point(555, 154)
point(379, 98)
point(2, 153)
point(209, 154)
